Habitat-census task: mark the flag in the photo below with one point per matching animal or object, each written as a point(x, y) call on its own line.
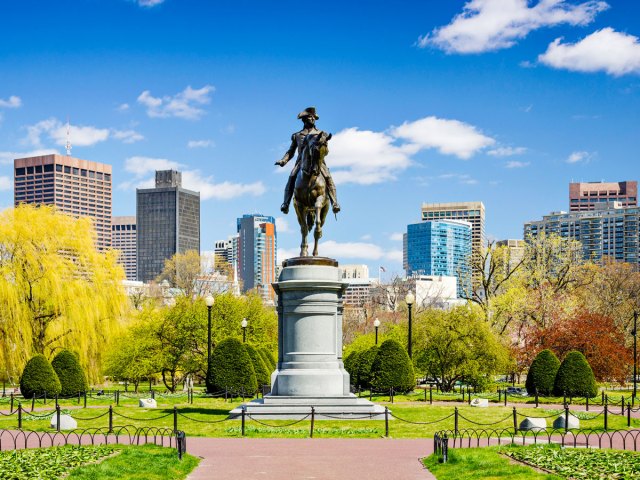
point(382, 269)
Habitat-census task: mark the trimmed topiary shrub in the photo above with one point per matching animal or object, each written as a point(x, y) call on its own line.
point(263, 375)
point(267, 358)
point(392, 368)
point(350, 364)
point(231, 369)
point(575, 377)
point(542, 373)
point(70, 373)
point(363, 366)
point(38, 378)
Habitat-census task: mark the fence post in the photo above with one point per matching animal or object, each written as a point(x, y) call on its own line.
point(45, 397)
point(566, 418)
point(243, 418)
point(386, 421)
point(515, 421)
point(431, 394)
point(175, 419)
point(602, 401)
point(153, 394)
point(313, 418)
point(628, 414)
point(505, 398)
point(537, 397)
point(425, 395)
point(110, 419)
point(391, 394)
point(469, 395)
point(462, 392)
point(19, 415)
point(587, 402)
point(499, 396)
point(606, 414)
point(57, 417)
point(33, 402)
point(564, 400)
point(56, 399)
point(85, 399)
point(455, 420)
point(622, 403)
point(11, 409)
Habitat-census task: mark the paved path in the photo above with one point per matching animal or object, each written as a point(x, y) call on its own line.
point(310, 458)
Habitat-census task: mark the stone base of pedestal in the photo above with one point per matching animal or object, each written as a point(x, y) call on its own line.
point(325, 408)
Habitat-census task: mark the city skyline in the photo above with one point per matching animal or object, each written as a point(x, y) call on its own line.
point(423, 108)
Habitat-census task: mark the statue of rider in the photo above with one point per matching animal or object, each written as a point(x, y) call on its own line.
point(308, 117)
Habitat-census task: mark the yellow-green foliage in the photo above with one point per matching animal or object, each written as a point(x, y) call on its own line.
point(56, 289)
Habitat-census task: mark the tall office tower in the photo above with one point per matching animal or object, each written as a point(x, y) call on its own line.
point(78, 187)
point(168, 219)
point(123, 239)
point(586, 196)
point(472, 212)
point(442, 248)
point(516, 250)
point(257, 244)
point(608, 231)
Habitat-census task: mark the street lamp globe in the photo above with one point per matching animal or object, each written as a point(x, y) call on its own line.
point(410, 299)
point(244, 323)
point(376, 323)
point(208, 300)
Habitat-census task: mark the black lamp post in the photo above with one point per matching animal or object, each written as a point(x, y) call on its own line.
point(244, 330)
point(209, 302)
point(635, 354)
point(376, 323)
point(409, 299)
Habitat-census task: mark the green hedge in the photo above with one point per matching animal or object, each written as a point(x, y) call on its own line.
point(268, 359)
point(70, 373)
point(363, 366)
point(392, 368)
point(350, 365)
point(575, 377)
point(263, 375)
point(38, 378)
point(231, 369)
point(542, 373)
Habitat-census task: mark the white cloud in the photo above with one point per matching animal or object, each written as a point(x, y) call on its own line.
point(127, 136)
point(141, 167)
point(284, 253)
point(79, 135)
point(123, 107)
point(149, 3)
point(360, 250)
point(184, 104)
point(577, 157)
point(282, 225)
point(7, 158)
point(462, 178)
point(5, 183)
point(396, 237)
point(11, 102)
point(366, 237)
point(365, 157)
point(449, 137)
point(516, 164)
point(486, 25)
point(507, 151)
point(395, 255)
point(605, 50)
point(199, 143)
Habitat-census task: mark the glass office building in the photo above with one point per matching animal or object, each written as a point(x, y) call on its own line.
point(257, 247)
point(441, 248)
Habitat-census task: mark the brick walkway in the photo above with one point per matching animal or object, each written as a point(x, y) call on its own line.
point(318, 459)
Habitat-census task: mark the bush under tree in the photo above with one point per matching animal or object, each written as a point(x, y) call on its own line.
point(350, 365)
point(575, 377)
point(542, 373)
point(39, 378)
point(363, 366)
point(263, 376)
point(70, 373)
point(231, 369)
point(392, 368)
point(267, 357)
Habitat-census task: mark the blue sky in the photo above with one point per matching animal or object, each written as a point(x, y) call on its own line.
point(503, 101)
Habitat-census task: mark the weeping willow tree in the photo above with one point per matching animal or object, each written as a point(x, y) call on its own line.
point(56, 290)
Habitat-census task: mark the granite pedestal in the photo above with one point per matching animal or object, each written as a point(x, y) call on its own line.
point(310, 371)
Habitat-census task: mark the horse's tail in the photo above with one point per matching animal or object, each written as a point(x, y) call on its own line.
point(310, 220)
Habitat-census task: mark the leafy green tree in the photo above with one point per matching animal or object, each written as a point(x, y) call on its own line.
point(231, 368)
point(57, 290)
point(542, 373)
point(392, 368)
point(263, 376)
point(575, 377)
point(39, 378)
point(70, 373)
point(459, 345)
point(363, 366)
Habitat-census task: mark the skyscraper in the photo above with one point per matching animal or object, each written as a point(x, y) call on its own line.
point(442, 248)
point(123, 239)
point(78, 187)
point(168, 219)
point(586, 196)
point(257, 246)
point(472, 212)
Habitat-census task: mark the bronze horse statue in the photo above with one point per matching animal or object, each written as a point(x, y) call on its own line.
point(310, 198)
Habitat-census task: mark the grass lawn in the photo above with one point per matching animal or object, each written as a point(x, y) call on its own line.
point(196, 420)
point(481, 464)
point(95, 463)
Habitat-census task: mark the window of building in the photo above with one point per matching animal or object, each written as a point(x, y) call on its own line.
point(30, 170)
point(20, 171)
point(67, 169)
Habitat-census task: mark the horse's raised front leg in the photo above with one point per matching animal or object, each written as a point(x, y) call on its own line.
point(317, 233)
point(304, 230)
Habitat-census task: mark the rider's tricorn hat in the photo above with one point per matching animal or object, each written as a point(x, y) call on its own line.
point(309, 112)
